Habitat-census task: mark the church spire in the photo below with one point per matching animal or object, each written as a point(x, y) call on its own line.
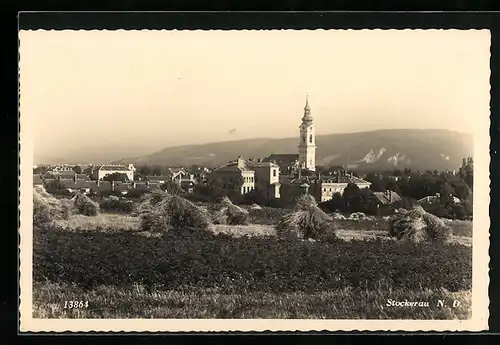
point(307, 111)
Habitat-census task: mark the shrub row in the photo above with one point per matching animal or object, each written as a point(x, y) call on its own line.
point(204, 260)
point(116, 204)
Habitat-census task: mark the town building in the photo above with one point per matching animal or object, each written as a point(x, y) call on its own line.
point(105, 170)
point(287, 162)
point(64, 175)
point(287, 176)
point(323, 188)
point(267, 178)
point(235, 177)
point(434, 199)
point(387, 198)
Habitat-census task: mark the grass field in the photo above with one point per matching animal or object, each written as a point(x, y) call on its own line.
point(138, 302)
point(244, 272)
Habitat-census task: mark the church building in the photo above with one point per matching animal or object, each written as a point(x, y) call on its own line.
point(291, 163)
point(307, 141)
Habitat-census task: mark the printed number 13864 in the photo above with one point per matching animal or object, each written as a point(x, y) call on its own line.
point(75, 304)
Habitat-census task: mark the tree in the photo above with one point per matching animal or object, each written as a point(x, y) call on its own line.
point(352, 196)
point(461, 189)
point(117, 177)
point(393, 185)
point(255, 197)
point(466, 172)
point(41, 169)
point(335, 204)
point(445, 193)
point(171, 188)
point(55, 187)
point(368, 202)
point(378, 182)
point(77, 169)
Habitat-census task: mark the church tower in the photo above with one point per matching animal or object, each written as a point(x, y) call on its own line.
point(307, 141)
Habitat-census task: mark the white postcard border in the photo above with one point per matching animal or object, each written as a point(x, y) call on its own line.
point(480, 274)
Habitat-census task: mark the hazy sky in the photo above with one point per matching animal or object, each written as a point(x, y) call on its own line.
point(166, 88)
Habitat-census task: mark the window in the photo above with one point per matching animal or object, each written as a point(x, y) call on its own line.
point(274, 172)
point(310, 138)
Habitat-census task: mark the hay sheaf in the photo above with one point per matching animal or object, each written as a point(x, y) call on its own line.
point(85, 206)
point(417, 225)
point(306, 221)
point(230, 214)
point(46, 208)
point(166, 212)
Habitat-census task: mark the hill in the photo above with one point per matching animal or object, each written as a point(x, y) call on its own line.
point(382, 149)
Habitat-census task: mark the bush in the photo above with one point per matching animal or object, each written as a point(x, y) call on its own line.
point(137, 193)
point(163, 212)
point(306, 221)
point(228, 213)
point(46, 208)
point(417, 225)
point(84, 205)
point(116, 204)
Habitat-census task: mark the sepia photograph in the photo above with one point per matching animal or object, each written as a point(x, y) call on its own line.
point(253, 180)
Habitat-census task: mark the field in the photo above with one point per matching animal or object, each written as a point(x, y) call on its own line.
point(244, 271)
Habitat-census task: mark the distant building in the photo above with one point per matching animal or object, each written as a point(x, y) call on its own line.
point(287, 162)
point(434, 199)
point(159, 179)
point(388, 197)
point(323, 188)
point(235, 177)
point(267, 178)
point(176, 175)
point(64, 175)
point(105, 170)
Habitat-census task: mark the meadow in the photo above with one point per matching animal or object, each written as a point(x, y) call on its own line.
point(244, 271)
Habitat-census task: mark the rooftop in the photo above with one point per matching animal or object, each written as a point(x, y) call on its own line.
point(387, 198)
point(114, 168)
point(282, 158)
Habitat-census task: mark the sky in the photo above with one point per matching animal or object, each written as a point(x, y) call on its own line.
point(154, 89)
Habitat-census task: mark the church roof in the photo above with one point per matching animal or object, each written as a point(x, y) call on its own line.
point(282, 158)
point(233, 166)
point(262, 165)
point(307, 111)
